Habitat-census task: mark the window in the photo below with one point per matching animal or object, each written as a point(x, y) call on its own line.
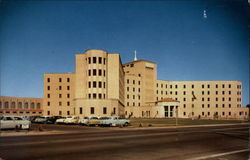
point(38, 106)
point(104, 84)
point(192, 86)
point(216, 86)
point(48, 79)
point(184, 105)
point(26, 105)
point(13, 105)
point(216, 92)
point(184, 99)
point(229, 86)
point(216, 105)
point(184, 92)
point(229, 99)
point(176, 92)
point(223, 105)
point(133, 89)
point(223, 92)
point(68, 79)
point(176, 86)
point(208, 92)
point(0, 104)
point(60, 113)
point(60, 103)
point(89, 84)
point(133, 81)
point(223, 86)
point(139, 90)
point(104, 60)
point(100, 84)
point(100, 96)
point(208, 113)
point(223, 99)
point(216, 99)
point(60, 79)
point(161, 85)
point(208, 86)
point(104, 73)
point(68, 87)
point(202, 92)
point(92, 110)
point(89, 72)
point(89, 60)
point(94, 84)
point(229, 105)
point(203, 86)
point(139, 82)
point(223, 113)
point(99, 72)
point(170, 86)
point(48, 88)
point(184, 113)
point(68, 103)
point(68, 95)
point(114, 110)
point(203, 105)
point(32, 105)
point(100, 60)
point(94, 72)
point(48, 95)
point(184, 86)
point(48, 112)
point(94, 59)
point(60, 87)
point(229, 113)
point(208, 105)
point(89, 95)
point(127, 88)
point(94, 95)
point(104, 110)
point(127, 81)
point(208, 99)
point(229, 92)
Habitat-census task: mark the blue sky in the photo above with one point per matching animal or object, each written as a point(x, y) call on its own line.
point(40, 37)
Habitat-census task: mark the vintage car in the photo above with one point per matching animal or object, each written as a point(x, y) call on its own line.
point(71, 120)
point(60, 120)
point(93, 121)
point(41, 120)
point(84, 121)
point(14, 122)
point(114, 121)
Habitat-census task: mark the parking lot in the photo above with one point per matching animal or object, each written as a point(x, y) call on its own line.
point(80, 142)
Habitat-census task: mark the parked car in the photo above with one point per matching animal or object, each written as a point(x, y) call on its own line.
point(115, 121)
point(60, 120)
point(41, 119)
point(14, 122)
point(93, 121)
point(72, 120)
point(52, 120)
point(84, 121)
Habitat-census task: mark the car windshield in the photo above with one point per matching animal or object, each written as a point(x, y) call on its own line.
point(93, 118)
point(85, 117)
point(102, 118)
point(18, 118)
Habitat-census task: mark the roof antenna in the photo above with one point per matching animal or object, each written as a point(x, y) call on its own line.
point(135, 59)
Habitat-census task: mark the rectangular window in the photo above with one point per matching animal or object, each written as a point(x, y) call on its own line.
point(94, 59)
point(89, 84)
point(114, 110)
point(94, 95)
point(68, 79)
point(133, 81)
point(89, 72)
point(223, 86)
point(161, 85)
point(100, 60)
point(127, 88)
point(99, 72)
point(104, 110)
point(100, 84)
point(60, 113)
point(48, 88)
point(104, 73)
point(100, 96)
point(104, 85)
point(92, 110)
point(139, 82)
point(208, 86)
point(60, 95)
point(80, 110)
point(68, 87)
point(89, 60)
point(60, 79)
point(48, 103)
point(202, 86)
point(94, 84)
point(68, 112)
point(48, 79)
point(192, 86)
point(68, 103)
point(127, 81)
point(48, 112)
point(94, 72)
point(48, 95)
point(229, 86)
point(176, 86)
point(68, 95)
point(216, 86)
point(60, 103)
point(60, 87)
point(104, 60)
point(89, 95)
point(184, 86)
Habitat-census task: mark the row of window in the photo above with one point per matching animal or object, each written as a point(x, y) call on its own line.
point(95, 59)
point(139, 89)
point(59, 88)
point(139, 97)
point(59, 95)
point(20, 105)
point(133, 82)
point(59, 103)
point(133, 104)
point(19, 112)
point(203, 92)
point(202, 99)
point(93, 72)
point(94, 84)
point(94, 96)
point(59, 79)
point(216, 114)
point(202, 86)
point(208, 105)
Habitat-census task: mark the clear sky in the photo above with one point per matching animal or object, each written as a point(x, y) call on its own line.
point(38, 37)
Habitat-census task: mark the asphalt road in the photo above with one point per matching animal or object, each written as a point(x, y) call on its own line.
point(216, 143)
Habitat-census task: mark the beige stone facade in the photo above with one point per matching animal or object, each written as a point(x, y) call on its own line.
point(102, 86)
point(20, 106)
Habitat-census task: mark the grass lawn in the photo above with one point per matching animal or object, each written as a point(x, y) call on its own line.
point(157, 122)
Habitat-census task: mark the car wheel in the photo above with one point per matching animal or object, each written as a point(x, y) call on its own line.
point(126, 124)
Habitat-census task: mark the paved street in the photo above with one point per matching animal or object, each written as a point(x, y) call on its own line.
point(216, 143)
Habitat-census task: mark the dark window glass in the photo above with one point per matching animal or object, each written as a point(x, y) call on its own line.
point(94, 59)
point(104, 110)
point(94, 84)
point(99, 72)
point(100, 60)
point(94, 72)
point(92, 110)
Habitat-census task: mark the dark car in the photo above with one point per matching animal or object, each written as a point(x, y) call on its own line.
point(52, 120)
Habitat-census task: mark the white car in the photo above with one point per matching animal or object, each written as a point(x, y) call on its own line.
point(72, 120)
point(115, 121)
point(84, 121)
point(60, 120)
point(14, 122)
